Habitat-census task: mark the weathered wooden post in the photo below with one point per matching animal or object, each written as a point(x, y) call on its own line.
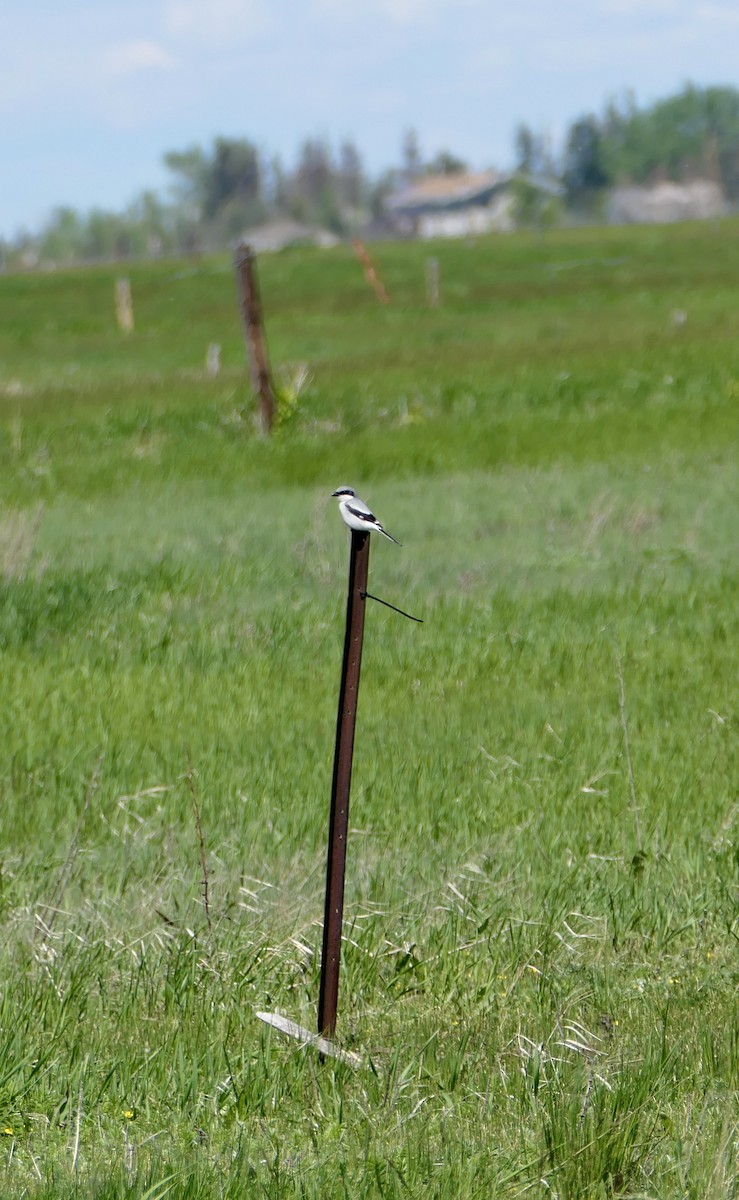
point(432, 281)
point(124, 305)
point(251, 307)
point(341, 783)
point(213, 360)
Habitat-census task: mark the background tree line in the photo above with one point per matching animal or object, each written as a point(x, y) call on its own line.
point(694, 134)
point(220, 192)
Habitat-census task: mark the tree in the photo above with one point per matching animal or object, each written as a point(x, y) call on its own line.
point(314, 186)
point(274, 185)
point(191, 170)
point(314, 172)
point(533, 151)
point(62, 239)
point(221, 187)
point(695, 132)
point(106, 235)
point(525, 148)
point(232, 177)
point(381, 188)
point(535, 207)
point(154, 223)
point(584, 172)
point(350, 176)
point(446, 163)
point(412, 165)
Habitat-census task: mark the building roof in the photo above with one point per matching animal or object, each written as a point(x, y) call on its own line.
point(447, 191)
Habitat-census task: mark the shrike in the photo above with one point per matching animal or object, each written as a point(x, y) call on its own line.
point(357, 515)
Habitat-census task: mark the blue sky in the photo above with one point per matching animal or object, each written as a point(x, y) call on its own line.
point(93, 92)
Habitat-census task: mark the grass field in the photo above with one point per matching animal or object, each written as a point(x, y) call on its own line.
point(542, 912)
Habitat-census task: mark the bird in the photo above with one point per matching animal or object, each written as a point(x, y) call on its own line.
point(357, 515)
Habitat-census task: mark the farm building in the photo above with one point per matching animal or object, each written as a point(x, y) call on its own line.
point(460, 204)
point(695, 200)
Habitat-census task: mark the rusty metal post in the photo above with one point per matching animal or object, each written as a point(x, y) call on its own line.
point(370, 271)
point(251, 308)
point(341, 783)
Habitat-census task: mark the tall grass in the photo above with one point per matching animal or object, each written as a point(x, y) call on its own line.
point(540, 961)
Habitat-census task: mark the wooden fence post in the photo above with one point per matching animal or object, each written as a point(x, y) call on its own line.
point(251, 308)
point(432, 282)
point(124, 305)
point(213, 360)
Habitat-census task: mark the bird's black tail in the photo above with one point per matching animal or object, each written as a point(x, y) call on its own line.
point(389, 535)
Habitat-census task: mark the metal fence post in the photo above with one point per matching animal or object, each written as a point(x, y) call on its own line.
point(341, 783)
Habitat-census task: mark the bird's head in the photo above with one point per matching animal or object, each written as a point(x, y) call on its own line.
point(344, 491)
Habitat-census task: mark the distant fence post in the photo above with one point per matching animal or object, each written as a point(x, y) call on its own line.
point(124, 305)
point(370, 271)
point(341, 783)
point(432, 281)
point(213, 360)
point(251, 308)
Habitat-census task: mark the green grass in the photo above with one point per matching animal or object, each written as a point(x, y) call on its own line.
point(540, 965)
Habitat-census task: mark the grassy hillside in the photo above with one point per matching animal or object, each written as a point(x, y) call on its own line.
point(540, 970)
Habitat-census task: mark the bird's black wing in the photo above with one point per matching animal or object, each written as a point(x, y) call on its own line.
point(362, 514)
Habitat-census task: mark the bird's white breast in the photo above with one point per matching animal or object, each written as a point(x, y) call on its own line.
point(351, 519)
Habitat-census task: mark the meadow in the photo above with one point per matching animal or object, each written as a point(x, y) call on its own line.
point(541, 950)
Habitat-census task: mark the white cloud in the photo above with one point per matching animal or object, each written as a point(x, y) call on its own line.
point(402, 12)
point(216, 20)
point(131, 57)
point(719, 13)
point(405, 11)
point(642, 8)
